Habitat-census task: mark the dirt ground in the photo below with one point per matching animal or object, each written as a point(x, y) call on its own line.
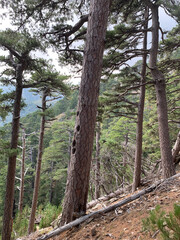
point(125, 222)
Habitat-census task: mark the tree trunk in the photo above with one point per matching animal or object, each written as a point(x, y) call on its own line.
point(38, 167)
point(160, 86)
point(21, 193)
point(97, 168)
point(82, 145)
point(51, 183)
point(9, 197)
point(139, 130)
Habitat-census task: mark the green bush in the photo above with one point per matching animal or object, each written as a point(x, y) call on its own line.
point(20, 223)
point(49, 214)
point(167, 224)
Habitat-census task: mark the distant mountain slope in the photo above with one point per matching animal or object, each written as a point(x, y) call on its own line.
point(31, 100)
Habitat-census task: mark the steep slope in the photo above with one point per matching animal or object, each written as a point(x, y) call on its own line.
point(124, 222)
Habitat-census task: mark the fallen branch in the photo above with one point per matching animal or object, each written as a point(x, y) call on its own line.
point(107, 197)
point(105, 210)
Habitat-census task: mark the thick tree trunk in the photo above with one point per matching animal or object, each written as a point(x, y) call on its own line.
point(139, 130)
point(160, 86)
point(21, 193)
point(82, 145)
point(38, 166)
point(97, 168)
point(9, 197)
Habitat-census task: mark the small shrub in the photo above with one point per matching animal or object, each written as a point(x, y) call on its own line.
point(167, 224)
point(49, 214)
point(20, 223)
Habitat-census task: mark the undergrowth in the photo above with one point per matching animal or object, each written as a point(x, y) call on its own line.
point(168, 225)
point(44, 215)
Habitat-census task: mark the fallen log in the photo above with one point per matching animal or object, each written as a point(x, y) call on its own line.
point(105, 210)
point(107, 197)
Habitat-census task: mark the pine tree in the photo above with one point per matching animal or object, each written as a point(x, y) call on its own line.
point(78, 174)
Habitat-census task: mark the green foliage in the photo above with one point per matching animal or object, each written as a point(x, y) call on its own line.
point(167, 224)
point(6, 100)
point(19, 42)
point(20, 223)
point(117, 152)
point(49, 214)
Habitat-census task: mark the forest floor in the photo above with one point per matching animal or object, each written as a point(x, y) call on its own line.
point(125, 222)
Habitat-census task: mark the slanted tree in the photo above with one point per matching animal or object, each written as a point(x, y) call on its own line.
point(82, 145)
point(160, 87)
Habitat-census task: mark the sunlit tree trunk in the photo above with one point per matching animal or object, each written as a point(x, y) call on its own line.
point(82, 145)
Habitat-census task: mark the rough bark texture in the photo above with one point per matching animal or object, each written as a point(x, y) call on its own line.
point(21, 193)
point(160, 86)
point(9, 197)
point(38, 167)
point(82, 145)
point(139, 130)
point(97, 170)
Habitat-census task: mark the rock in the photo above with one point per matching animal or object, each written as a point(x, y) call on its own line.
point(93, 231)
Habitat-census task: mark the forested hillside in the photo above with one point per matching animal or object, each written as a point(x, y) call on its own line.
point(31, 100)
point(117, 130)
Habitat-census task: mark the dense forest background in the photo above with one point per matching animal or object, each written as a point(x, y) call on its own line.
point(114, 148)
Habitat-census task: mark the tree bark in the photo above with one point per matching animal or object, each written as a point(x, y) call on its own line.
point(38, 167)
point(160, 87)
point(21, 193)
point(97, 168)
point(139, 130)
point(9, 197)
point(82, 145)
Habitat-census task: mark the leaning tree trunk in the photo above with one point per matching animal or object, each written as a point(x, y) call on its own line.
point(9, 197)
point(38, 167)
point(139, 130)
point(160, 86)
point(21, 193)
point(82, 145)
